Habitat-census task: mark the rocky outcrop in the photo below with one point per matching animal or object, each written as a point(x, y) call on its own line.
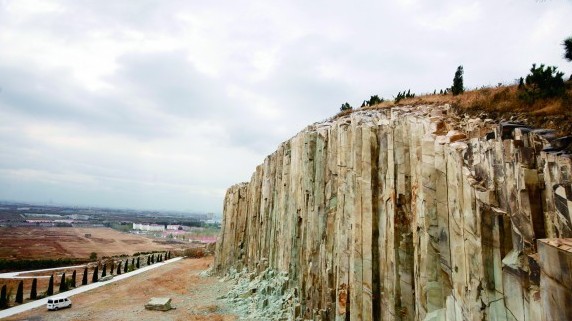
point(410, 213)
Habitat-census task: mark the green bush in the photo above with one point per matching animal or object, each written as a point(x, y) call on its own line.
point(403, 95)
point(346, 106)
point(542, 82)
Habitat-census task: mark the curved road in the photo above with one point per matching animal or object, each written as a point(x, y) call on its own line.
point(42, 302)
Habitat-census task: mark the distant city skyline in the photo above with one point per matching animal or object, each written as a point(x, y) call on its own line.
point(165, 104)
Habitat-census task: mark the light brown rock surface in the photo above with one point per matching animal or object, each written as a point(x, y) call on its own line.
point(410, 213)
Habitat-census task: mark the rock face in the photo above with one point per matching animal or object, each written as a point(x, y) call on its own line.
point(410, 213)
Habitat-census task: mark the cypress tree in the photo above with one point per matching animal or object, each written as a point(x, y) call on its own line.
point(3, 298)
point(133, 263)
point(104, 268)
point(119, 268)
point(84, 279)
point(73, 279)
point(457, 87)
point(152, 258)
point(95, 275)
point(112, 267)
point(137, 265)
point(51, 286)
point(34, 290)
point(20, 292)
point(63, 286)
point(126, 266)
point(149, 260)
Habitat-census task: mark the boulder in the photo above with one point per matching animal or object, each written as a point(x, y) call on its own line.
point(159, 304)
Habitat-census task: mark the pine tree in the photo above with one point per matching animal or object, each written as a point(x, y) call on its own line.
point(104, 272)
point(63, 286)
point(20, 292)
point(34, 290)
point(51, 286)
point(84, 279)
point(95, 275)
point(457, 87)
point(3, 298)
point(567, 48)
point(73, 279)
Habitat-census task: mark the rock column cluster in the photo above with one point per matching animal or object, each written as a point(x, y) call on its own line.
point(410, 213)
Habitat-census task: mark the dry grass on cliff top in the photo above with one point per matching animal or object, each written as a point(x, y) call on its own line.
point(500, 103)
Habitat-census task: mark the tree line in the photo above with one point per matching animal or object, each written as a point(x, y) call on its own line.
point(67, 283)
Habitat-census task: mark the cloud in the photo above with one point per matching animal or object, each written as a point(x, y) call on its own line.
point(151, 104)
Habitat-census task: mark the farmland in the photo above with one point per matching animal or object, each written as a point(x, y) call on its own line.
point(30, 243)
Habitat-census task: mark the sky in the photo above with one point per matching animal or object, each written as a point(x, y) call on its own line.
point(164, 104)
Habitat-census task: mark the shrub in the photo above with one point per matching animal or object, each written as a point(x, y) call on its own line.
point(72, 281)
point(95, 275)
point(195, 252)
point(346, 106)
point(63, 285)
point(403, 95)
point(542, 83)
point(20, 292)
point(3, 297)
point(374, 100)
point(93, 256)
point(51, 286)
point(84, 279)
point(457, 87)
point(34, 290)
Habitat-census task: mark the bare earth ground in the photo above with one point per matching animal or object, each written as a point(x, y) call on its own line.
point(68, 242)
point(193, 296)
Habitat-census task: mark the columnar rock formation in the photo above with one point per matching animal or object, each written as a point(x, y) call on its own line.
point(410, 213)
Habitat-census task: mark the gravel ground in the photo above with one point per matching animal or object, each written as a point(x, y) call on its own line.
point(194, 297)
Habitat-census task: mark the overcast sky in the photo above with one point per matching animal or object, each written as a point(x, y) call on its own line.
point(164, 104)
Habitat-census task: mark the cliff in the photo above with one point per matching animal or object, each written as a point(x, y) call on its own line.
point(410, 213)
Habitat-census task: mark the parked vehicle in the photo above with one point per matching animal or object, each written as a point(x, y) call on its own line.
point(59, 303)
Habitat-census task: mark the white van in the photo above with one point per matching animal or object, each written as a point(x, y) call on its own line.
point(59, 303)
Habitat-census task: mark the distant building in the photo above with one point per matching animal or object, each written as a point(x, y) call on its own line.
point(79, 217)
point(148, 227)
point(176, 227)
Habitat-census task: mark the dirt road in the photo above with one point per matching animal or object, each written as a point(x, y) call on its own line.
point(194, 297)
